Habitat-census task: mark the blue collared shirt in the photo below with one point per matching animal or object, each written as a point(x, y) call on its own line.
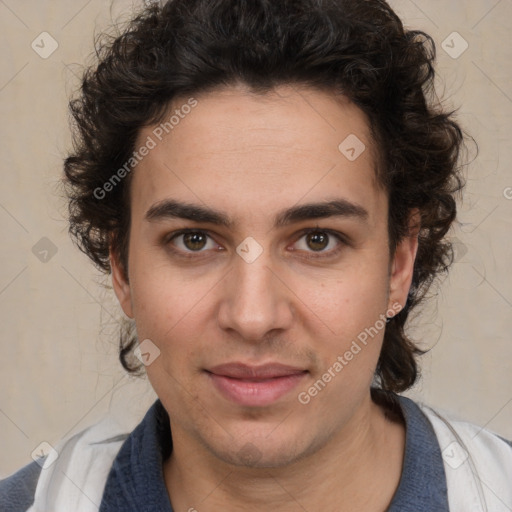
point(136, 480)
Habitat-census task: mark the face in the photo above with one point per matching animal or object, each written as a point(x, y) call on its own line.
point(260, 308)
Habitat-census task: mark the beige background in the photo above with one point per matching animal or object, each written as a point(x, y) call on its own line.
point(59, 368)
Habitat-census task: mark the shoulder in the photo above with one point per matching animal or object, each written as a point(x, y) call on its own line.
point(478, 440)
point(75, 476)
point(17, 491)
point(477, 461)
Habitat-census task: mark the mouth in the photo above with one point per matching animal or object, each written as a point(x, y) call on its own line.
point(255, 386)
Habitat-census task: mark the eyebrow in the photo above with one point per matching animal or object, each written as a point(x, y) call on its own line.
point(171, 209)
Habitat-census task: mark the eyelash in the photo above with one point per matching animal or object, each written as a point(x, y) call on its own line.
point(193, 254)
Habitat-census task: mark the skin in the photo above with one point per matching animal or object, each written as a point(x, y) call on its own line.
point(251, 156)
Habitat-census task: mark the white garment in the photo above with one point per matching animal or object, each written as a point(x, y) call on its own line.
point(76, 480)
point(477, 464)
point(478, 467)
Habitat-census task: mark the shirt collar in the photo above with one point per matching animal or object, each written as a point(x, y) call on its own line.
point(136, 480)
point(422, 486)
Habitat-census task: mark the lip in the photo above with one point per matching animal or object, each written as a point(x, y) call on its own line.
point(255, 386)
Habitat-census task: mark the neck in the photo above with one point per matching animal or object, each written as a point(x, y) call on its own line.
point(358, 469)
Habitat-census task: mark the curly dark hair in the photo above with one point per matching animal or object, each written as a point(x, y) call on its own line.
point(358, 48)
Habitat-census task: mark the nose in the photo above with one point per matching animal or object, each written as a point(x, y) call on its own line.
point(255, 299)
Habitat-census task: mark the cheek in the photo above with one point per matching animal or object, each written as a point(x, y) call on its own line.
point(348, 302)
point(163, 296)
point(173, 312)
point(349, 330)
point(353, 324)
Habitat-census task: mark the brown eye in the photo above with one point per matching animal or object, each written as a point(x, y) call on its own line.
point(320, 243)
point(191, 241)
point(194, 241)
point(317, 241)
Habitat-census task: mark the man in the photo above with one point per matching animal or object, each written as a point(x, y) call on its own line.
point(270, 186)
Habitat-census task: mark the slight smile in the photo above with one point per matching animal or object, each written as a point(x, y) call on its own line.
point(255, 386)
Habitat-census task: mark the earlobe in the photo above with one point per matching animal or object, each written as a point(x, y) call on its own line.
point(402, 266)
point(121, 285)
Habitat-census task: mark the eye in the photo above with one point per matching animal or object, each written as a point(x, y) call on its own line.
point(322, 241)
point(190, 241)
point(316, 243)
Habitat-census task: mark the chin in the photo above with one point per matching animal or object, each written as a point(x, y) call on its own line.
point(251, 457)
point(263, 452)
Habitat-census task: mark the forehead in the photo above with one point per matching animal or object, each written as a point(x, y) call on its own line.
point(237, 149)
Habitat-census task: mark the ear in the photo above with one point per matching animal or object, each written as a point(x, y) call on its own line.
point(402, 264)
point(121, 285)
